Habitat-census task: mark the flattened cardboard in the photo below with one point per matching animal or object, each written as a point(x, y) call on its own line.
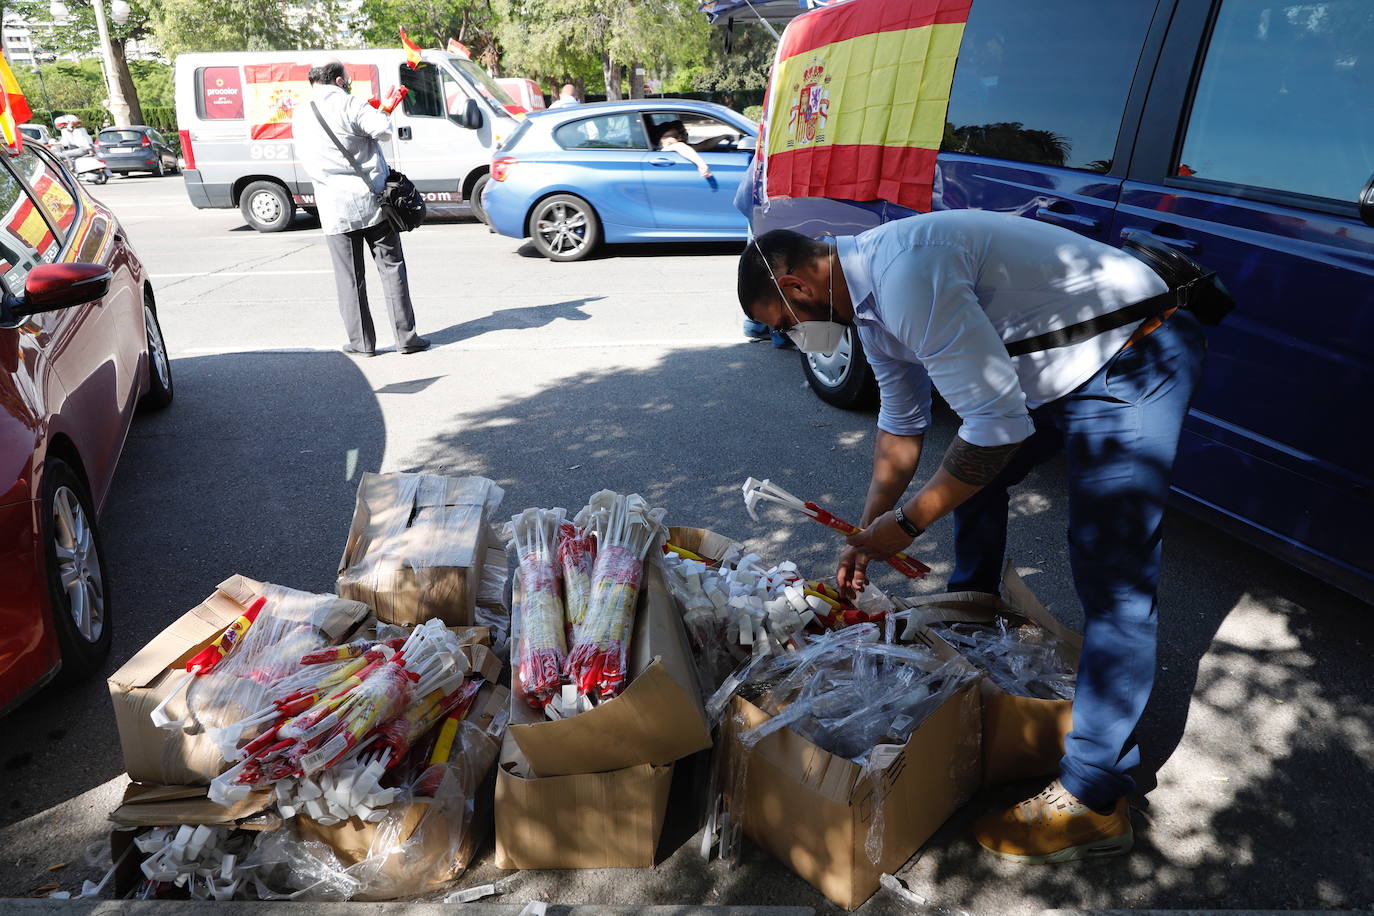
point(657, 720)
point(169, 806)
point(176, 757)
point(1022, 736)
point(593, 820)
point(814, 811)
point(415, 550)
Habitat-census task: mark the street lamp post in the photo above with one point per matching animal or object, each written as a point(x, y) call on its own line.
point(119, 107)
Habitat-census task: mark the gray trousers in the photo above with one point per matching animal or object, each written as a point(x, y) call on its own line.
point(346, 251)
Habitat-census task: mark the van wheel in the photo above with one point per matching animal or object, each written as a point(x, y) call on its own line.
point(842, 378)
point(266, 206)
point(475, 198)
point(564, 228)
point(80, 597)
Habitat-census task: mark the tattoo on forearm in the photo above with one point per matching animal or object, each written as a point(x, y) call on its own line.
point(977, 465)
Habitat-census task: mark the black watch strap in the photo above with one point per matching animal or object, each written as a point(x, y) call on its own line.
point(905, 523)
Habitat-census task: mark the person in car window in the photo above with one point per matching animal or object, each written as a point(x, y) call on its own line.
point(672, 138)
point(1041, 341)
point(347, 199)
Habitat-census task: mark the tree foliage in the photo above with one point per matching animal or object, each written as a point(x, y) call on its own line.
point(745, 66)
point(432, 23)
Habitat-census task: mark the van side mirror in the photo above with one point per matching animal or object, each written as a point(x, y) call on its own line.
point(50, 287)
point(747, 144)
point(1367, 202)
point(471, 117)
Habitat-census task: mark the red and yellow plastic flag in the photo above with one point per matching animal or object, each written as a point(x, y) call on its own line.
point(413, 54)
point(273, 92)
point(14, 109)
point(457, 47)
point(857, 102)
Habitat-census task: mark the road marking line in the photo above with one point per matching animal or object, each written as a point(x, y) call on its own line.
point(676, 344)
point(239, 273)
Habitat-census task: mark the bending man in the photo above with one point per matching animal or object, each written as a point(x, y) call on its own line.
point(964, 299)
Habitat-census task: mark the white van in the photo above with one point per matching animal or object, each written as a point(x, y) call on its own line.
point(234, 111)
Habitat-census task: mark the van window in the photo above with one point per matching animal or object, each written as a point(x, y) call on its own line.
point(1283, 99)
point(1045, 82)
point(617, 131)
point(426, 98)
point(219, 94)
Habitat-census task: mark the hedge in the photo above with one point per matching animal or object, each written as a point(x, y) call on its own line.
point(163, 117)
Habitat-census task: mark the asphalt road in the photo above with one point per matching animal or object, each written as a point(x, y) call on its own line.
point(629, 372)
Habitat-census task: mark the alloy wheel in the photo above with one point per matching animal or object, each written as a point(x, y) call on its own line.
point(78, 564)
point(562, 227)
point(157, 350)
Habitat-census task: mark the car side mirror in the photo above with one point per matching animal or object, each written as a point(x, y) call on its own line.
point(1367, 202)
point(747, 144)
point(471, 116)
point(50, 287)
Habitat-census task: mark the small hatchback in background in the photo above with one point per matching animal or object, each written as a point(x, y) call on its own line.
point(136, 149)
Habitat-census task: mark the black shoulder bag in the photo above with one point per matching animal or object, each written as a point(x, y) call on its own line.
point(402, 205)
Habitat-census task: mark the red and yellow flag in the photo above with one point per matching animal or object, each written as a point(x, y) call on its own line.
point(14, 108)
point(272, 92)
point(413, 56)
point(857, 101)
point(457, 47)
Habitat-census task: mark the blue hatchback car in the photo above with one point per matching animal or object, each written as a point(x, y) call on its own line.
point(571, 178)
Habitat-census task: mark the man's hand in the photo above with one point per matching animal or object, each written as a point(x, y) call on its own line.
point(852, 574)
point(882, 539)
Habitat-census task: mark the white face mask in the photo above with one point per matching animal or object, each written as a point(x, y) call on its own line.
point(812, 336)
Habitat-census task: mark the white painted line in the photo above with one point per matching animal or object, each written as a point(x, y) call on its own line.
point(240, 273)
point(464, 347)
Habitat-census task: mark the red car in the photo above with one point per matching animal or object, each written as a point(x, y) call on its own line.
point(80, 350)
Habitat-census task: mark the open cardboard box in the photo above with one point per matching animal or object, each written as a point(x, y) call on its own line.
point(815, 811)
point(1022, 736)
point(592, 820)
point(657, 719)
point(417, 545)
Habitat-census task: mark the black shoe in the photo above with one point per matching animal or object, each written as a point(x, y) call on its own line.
point(352, 351)
point(419, 345)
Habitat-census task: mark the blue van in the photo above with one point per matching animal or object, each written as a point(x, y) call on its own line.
point(1240, 132)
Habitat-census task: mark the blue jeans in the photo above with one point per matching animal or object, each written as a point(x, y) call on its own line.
point(1119, 431)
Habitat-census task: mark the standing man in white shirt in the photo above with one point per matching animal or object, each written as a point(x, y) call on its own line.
point(350, 208)
point(1041, 341)
point(567, 98)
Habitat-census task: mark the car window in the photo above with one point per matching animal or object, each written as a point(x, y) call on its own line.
point(704, 133)
point(26, 237)
point(426, 98)
point(1045, 82)
point(113, 137)
point(32, 133)
point(616, 131)
point(1283, 99)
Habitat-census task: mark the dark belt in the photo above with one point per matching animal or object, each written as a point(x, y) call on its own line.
point(1083, 330)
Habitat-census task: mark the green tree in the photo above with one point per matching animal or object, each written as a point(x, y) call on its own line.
point(225, 25)
point(64, 85)
point(432, 23)
point(550, 37)
point(744, 66)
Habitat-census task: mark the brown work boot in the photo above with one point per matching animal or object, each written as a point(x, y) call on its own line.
point(1055, 827)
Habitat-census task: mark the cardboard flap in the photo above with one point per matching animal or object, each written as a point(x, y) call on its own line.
point(163, 806)
point(1023, 599)
point(703, 542)
point(811, 766)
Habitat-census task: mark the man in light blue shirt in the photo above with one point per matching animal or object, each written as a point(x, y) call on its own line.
point(1041, 341)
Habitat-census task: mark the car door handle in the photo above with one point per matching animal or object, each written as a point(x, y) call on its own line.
point(662, 162)
point(1064, 217)
point(403, 133)
point(1144, 235)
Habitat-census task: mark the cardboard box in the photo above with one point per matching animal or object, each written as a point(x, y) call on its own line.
point(417, 546)
point(178, 758)
point(815, 811)
point(431, 847)
point(592, 820)
point(657, 719)
point(1022, 736)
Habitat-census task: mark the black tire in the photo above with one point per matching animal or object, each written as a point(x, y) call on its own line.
point(475, 198)
point(564, 227)
point(266, 206)
point(842, 378)
point(160, 388)
point(72, 549)
point(159, 170)
point(100, 178)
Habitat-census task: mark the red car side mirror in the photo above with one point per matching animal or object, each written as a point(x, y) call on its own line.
point(50, 287)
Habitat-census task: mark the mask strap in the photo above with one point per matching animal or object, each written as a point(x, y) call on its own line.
point(787, 305)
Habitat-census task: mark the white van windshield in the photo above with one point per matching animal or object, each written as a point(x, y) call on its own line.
point(485, 84)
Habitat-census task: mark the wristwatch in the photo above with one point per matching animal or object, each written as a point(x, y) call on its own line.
point(906, 524)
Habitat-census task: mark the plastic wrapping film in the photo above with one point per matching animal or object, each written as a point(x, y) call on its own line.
point(576, 560)
point(848, 693)
point(494, 600)
point(1023, 660)
point(626, 528)
point(425, 841)
point(290, 625)
point(543, 647)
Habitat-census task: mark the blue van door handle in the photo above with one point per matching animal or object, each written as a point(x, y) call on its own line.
point(1066, 219)
point(662, 161)
point(1178, 244)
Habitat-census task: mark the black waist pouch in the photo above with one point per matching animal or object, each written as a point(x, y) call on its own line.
point(1199, 290)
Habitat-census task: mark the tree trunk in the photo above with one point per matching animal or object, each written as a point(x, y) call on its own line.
point(636, 80)
point(613, 75)
point(126, 82)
